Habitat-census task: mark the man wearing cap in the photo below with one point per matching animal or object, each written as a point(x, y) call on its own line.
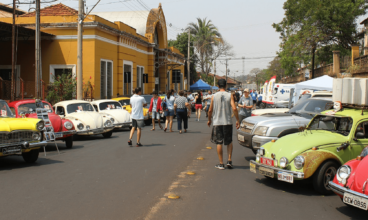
point(222, 103)
point(245, 104)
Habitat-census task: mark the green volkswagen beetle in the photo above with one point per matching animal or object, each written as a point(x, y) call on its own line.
point(330, 140)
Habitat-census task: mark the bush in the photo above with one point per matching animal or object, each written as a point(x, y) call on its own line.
point(63, 88)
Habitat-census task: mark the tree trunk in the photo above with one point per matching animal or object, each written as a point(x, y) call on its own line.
point(313, 61)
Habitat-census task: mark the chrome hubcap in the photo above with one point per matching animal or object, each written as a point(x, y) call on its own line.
point(329, 175)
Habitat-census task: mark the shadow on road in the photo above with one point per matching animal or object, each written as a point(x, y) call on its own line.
point(93, 137)
point(52, 148)
point(151, 145)
point(249, 158)
point(241, 167)
point(352, 212)
point(16, 162)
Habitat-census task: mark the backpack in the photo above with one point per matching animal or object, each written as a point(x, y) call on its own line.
point(164, 105)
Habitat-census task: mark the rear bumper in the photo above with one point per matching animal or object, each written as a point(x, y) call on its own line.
point(339, 190)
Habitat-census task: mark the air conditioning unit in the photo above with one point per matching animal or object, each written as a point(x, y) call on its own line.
point(352, 91)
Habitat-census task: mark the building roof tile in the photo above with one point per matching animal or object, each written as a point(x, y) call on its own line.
point(54, 10)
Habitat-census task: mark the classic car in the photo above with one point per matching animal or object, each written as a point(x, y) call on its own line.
point(118, 116)
point(351, 179)
point(84, 117)
point(63, 128)
point(20, 135)
point(326, 143)
point(259, 130)
point(125, 102)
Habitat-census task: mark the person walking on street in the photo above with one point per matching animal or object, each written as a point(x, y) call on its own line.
point(245, 105)
point(181, 107)
point(137, 102)
point(222, 131)
point(190, 100)
point(208, 101)
point(169, 109)
point(155, 110)
point(254, 96)
point(198, 105)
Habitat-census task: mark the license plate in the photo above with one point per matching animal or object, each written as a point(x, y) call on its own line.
point(58, 135)
point(241, 138)
point(286, 177)
point(267, 161)
point(356, 201)
point(252, 168)
point(266, 172)
point(11, 150)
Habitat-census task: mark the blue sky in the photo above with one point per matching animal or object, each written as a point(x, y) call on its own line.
point(246, 24)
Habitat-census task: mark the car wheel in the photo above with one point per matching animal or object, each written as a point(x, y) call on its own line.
point(148, 122)
point(69, 142)
point(31, 157)
point(324, 174)
point(107, 134)
point(262, 105)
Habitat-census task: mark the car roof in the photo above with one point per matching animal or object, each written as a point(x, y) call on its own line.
point(103, 100)
point(120, 98)
point(356, 114)
point(71, 102)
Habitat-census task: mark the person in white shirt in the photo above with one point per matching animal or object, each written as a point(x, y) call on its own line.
point(207, 100)
point(137, 103)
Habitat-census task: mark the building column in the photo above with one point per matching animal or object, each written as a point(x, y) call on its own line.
point(354, 53)
point(336, 62)
point(365, 43)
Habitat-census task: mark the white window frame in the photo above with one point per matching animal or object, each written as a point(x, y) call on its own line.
point(17, 82)
point(61, 66)
point(129, 63)
point(112, 75)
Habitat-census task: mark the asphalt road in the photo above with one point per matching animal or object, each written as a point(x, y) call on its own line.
point(106, 179)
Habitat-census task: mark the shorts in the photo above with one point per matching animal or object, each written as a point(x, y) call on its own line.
point(222, 134)
point(138, 123)
point(169, 113)
point(207, 108)
point(156, 115)
point(198, 106)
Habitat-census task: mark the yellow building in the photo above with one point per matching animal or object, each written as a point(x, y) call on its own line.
point(121, 51)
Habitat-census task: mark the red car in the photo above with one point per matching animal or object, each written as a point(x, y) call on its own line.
point(351, 181)
point(63, 128)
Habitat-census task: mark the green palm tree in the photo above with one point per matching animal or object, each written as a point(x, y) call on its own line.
point(205, 37)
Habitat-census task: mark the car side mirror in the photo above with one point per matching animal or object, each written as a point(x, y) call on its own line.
point(359, 135)
point(343, 146)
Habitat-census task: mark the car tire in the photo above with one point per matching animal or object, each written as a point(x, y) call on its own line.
point(107, 134)
point(148, 122)
point(31, 157)
point(262, 105)
point(324, 174)
point(69, 142)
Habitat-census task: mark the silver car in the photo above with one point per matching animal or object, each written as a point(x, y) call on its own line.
point(256, 131)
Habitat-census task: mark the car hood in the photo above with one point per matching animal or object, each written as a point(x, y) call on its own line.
point(292, 145)
point(16, 124)
point(276, 118)
point(93, 119)
point(54, 118)
point(119, 115)
point(360, 176)
point(269, 110)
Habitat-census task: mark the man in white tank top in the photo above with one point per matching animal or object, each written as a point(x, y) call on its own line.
point(221, 108)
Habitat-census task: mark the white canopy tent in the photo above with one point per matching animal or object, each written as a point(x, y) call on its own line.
point(319, 83)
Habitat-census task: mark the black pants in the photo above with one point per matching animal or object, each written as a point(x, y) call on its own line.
point(182, 115)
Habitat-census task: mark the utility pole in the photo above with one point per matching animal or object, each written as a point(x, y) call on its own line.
point(188, 61)
point(226, 74)
point(38, 51)
point(13, 55)
point(80, 51)
point(214, 76)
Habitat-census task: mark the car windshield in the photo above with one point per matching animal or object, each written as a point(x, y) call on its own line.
point(341, 125)
point(5, 110)
point(311, 106)
point(31, 108)
point(125, 102)
point(148, 99)
point(79, 107)
point(110, 105)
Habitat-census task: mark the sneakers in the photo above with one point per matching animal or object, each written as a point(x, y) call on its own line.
point(139, 145)
point(130, 143)
point(229, 164)
point(220, 166)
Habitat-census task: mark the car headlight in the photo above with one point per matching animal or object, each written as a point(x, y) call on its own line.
point(257, 158)
point(112, 120)
point(299, 162)
point(88, 127)
point(261, 131)
point(283, 162)
point(80, 126)
point(36, 136)
point(343, 174)
point(40, 125)
point(261, 151)
point(68, 125)
point(108, 123)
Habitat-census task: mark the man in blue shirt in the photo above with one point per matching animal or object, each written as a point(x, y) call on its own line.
point(254, 97)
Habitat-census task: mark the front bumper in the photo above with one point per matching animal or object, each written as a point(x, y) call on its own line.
point(339, 190)
point(296, 175)
point(95, 131)
point(20, 147)
point(258, 141)
point(64, 134)
point(247, 139)
point(123, 125)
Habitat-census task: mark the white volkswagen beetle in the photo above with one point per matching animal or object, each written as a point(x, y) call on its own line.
point(84, 117)
point(118, 116)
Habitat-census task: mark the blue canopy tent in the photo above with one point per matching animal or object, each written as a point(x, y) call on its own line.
point(232, 88)
point(200, 85)
point(215, 88)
